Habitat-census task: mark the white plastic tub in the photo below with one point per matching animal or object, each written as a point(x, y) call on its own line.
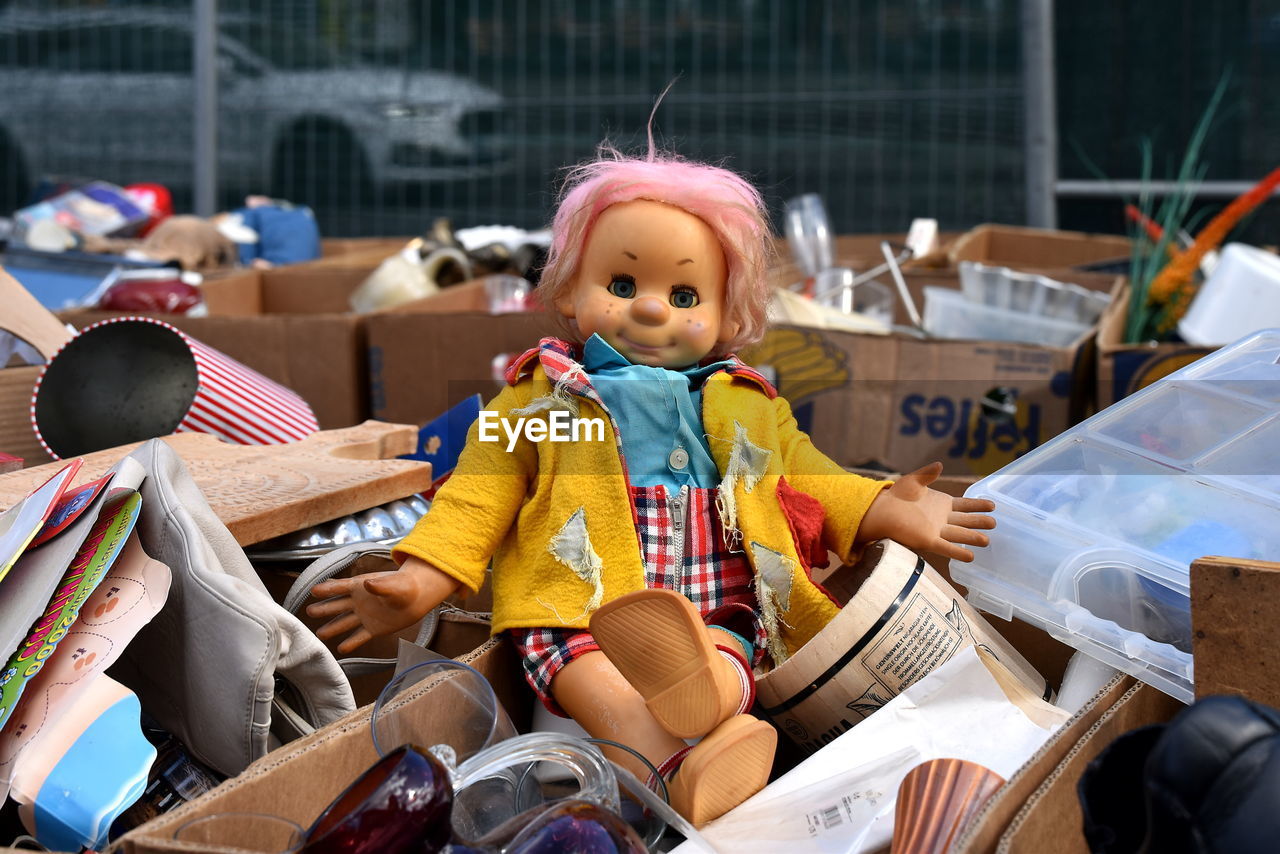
point(1242, 296)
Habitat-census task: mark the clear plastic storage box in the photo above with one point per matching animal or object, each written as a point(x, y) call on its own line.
point(1097, 528)
point(950, 314)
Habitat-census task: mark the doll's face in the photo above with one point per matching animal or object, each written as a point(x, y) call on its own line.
point(652, 284)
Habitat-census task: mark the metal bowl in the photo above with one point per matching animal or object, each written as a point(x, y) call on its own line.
point(385, 525)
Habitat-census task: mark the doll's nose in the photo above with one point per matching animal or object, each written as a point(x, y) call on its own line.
point(650, 311)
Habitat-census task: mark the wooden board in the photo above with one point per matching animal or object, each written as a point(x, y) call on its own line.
point(1235, 627)
point(263, 491)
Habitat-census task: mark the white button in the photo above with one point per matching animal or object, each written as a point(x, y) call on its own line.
point(679, 458)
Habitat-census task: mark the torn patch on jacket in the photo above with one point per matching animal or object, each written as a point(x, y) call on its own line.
point(547, 403)
point(559, 399)
point(747, 464)
point(572, 547)
point(774, 573)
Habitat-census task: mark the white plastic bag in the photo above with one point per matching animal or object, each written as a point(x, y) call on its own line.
point(829, 817)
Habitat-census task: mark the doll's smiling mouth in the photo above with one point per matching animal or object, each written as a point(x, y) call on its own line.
point(650, 349)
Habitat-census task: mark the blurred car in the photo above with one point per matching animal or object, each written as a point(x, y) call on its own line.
point(114, 87)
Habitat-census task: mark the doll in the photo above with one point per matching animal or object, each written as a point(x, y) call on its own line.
point(644, 575)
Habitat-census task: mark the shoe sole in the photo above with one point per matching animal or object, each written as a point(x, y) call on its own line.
point(642, 634)
point(728, 771)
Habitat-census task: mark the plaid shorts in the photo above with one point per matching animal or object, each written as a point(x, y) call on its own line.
point(685, 552)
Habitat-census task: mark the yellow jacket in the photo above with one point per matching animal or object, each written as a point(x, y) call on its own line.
point(525, 509)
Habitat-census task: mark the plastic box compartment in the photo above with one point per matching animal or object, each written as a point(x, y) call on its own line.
point(1031, 293)
point(1097, 528)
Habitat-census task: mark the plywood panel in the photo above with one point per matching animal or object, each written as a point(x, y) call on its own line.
point(262, 491)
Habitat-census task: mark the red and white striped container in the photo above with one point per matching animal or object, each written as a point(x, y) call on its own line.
point(133, 378)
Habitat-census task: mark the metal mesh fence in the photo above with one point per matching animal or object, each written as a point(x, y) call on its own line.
point(383, 115)
point(1144, 70)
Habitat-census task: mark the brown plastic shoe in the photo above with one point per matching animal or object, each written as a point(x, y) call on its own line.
point(658, 642)
point(724, 769)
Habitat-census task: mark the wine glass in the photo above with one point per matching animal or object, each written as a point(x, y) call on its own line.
point(400, 805)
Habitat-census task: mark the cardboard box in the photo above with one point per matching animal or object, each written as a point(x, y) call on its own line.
point(1038, 809)
point(333, 248)
point(1037, 249)
point(299, 779)
point(427, 355)
point(17, 436)
point(291, 324)
point(465, 297)
point(1124, 368)
point(313, 288)
point(25, 319)
point(896, 403)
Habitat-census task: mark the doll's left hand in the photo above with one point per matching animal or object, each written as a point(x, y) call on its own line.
point(924, 519)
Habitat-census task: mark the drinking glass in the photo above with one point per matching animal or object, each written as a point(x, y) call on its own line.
point(474, 721)
point(808, 233)
point(499, 783)
point(246, 831)
point(566, 825)
point(507, 294)
point(839, 288)
point(591, 778)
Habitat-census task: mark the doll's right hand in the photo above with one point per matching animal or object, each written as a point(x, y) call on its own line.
point(378, 603)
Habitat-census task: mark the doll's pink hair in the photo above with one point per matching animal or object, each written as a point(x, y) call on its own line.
point(720, 198)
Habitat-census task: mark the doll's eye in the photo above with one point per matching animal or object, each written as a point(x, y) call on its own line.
point(684, 297)
point(622, 288)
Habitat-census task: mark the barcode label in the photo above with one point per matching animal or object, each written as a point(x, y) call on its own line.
point(825, 819)
point(843, 817)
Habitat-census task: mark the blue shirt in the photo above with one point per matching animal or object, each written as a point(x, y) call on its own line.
point(659, 416)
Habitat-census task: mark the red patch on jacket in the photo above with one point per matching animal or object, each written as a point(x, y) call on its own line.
point(805, 515)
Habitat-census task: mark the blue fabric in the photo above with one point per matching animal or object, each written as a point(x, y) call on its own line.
point(657, 410)
point(285, 235)
point(748, 648)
